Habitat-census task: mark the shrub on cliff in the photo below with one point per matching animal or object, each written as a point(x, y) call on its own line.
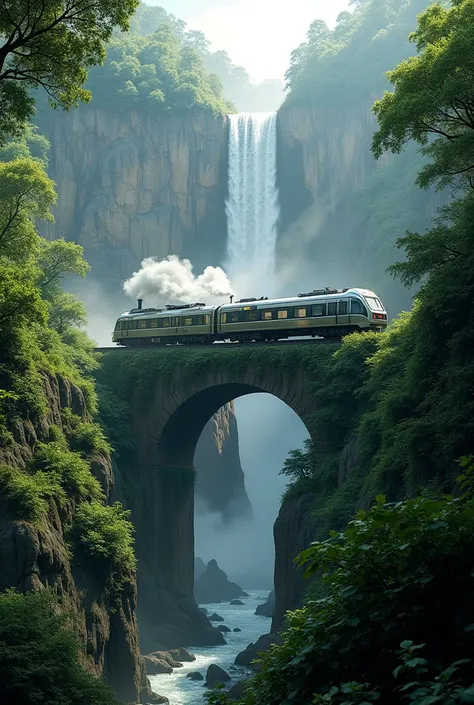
point(396, 621)
point(105, 533)
point(40, 658)
point(28, 496)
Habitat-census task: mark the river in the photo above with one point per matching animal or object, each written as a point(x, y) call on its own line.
point(181, 690)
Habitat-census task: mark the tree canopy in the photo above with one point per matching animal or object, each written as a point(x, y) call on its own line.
point(51, 44)
point(163, 65)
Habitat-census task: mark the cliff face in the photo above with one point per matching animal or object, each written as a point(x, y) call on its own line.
point(219, 475)
point(132, 186)
point(34, 557)
point(341, 211)
point(293, 532)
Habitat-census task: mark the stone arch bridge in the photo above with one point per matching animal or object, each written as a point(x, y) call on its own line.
point(171, 393)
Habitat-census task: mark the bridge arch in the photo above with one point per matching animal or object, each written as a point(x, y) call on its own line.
point(170, 428)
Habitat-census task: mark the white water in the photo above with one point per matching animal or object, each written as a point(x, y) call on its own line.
point(252, 206)
point(181, 690)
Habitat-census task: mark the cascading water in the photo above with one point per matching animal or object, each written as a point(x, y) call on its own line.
point(252, 206)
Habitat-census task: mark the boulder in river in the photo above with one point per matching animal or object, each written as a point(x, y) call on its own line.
point(195, 676)
point(268, 607)
point(213, 586)
point(155, 666)
point(237, 629)
point(155, 699)
point(223, 628)
point(215, 674)
point(248, 655)
point(167, 657)
point(181, 654)
point(216, 618)
point(236, 602)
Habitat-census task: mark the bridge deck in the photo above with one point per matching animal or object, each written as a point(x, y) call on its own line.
point(191, 346)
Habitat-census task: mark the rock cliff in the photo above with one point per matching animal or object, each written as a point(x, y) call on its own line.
point(294, 530)
point(342, 211)
point(132, 186)
point(34, 557)
point(219, 475)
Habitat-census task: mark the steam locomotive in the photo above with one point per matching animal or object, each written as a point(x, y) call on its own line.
point(326, 313)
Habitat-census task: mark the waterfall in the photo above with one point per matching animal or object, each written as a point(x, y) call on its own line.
point(252, 206)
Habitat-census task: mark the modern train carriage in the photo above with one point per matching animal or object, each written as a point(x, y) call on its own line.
point(326, 313)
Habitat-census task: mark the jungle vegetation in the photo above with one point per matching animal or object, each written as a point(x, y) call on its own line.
point(49, 46)
point(392, 620)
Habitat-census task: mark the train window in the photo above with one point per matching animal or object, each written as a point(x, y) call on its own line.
point(332, 308)
point(187, 321)
point(197, 320)
point(142, 324)
point(223, 318)
point(318, 310)
point(251, 315)
point(207, 319)
point(283, 314)
point(300, 313)
point(343, 308)
point(154, 323)
point(166, 322)
point(358, 307)
point(266, 315)
point(235, 317)
point(374, 303)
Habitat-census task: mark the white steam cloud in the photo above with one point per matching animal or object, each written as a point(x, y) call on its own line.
point(173, 279)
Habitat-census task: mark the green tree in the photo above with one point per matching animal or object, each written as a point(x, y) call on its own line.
point(300, 464)
point(56, 259)
point(51, 44)
point(433, 97)
point(41, 660)
point(26, 194)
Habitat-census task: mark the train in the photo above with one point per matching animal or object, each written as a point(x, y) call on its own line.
point(323, 313)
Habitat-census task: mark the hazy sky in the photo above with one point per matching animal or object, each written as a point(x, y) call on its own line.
point(257, 34)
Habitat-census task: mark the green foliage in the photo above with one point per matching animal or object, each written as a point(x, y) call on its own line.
point(347, 64)
point(84, 437)
point(400, 575)
point(26, 194)
point(28, 496)
point(157, 73)
point(433, 97)
point(41, 660)
point(236, 82)
point(300, 464)
point(51, 45)
point(68, 468)
point(106, 534)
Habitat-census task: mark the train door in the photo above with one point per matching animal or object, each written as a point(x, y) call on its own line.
point(343, 316)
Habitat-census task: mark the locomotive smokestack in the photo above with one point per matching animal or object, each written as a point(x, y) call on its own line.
point(139, 302)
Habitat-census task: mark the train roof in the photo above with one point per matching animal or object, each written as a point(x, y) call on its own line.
point(299, 299)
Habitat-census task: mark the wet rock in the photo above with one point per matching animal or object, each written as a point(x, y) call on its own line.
point(182, 654)
point(216, 674)
point(213, 586)
point(237, 691)
point(268, 607)
point(248, 655)
point(155, 699)
point(195, 676)
point(223, 628)
point(155, 666)
point(237, 629)
point(216, 618)
point(167, 657)
point(236, 602)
